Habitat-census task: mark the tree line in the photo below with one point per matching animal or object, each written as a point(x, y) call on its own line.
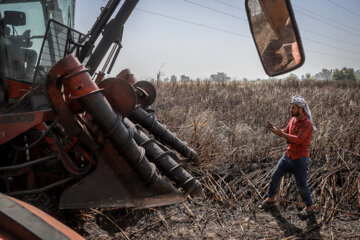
point(338, 74)
point(325, 74)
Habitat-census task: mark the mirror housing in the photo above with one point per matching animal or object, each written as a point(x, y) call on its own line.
point(14, 18)
point(276, 35)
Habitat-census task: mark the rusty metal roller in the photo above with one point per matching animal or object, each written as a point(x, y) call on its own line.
point(146, 118)
point(166, 163)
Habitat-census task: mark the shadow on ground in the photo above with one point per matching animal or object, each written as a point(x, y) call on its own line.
point(311, 231)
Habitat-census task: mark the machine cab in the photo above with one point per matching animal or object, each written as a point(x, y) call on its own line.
point(31, 42)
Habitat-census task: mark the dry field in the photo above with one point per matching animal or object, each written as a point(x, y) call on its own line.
point(225, 124)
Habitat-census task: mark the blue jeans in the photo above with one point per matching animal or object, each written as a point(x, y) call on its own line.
point(299, 167)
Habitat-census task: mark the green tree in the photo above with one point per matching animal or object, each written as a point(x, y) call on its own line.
point(344, 74)
point(173, 78)
point(325, 74)
point(292, 77)
point(184, 78)
point(357, 74)
point(220, 77)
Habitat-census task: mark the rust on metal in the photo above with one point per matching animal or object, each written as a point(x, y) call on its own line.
point(120, 94)
point(17, 89)
point(146, 93)
point(13, 124)
point(149, 184)
point(127, 76)
point(20, 220)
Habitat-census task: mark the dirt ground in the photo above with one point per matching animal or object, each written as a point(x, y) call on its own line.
point(218, 217)
point(202, 219)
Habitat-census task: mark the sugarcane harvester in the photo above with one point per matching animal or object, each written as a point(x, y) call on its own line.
point(145, 92)
point(69, 136)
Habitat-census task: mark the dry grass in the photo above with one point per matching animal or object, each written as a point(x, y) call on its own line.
point(225, 124)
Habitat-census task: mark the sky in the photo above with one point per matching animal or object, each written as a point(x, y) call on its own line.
point(198, 38)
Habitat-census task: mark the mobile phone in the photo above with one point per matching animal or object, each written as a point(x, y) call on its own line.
point(269, 125)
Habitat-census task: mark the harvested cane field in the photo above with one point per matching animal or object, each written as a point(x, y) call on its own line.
point(225, 124)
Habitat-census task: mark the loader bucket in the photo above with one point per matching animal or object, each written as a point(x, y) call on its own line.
point(114, 185)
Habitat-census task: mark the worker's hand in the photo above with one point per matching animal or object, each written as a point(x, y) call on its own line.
point(269, 126)
point(277, 130)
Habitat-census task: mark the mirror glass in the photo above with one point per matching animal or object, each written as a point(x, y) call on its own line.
point(276, 35)
point(14, 18)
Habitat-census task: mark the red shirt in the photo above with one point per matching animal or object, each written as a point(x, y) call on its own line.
point(298, 137)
